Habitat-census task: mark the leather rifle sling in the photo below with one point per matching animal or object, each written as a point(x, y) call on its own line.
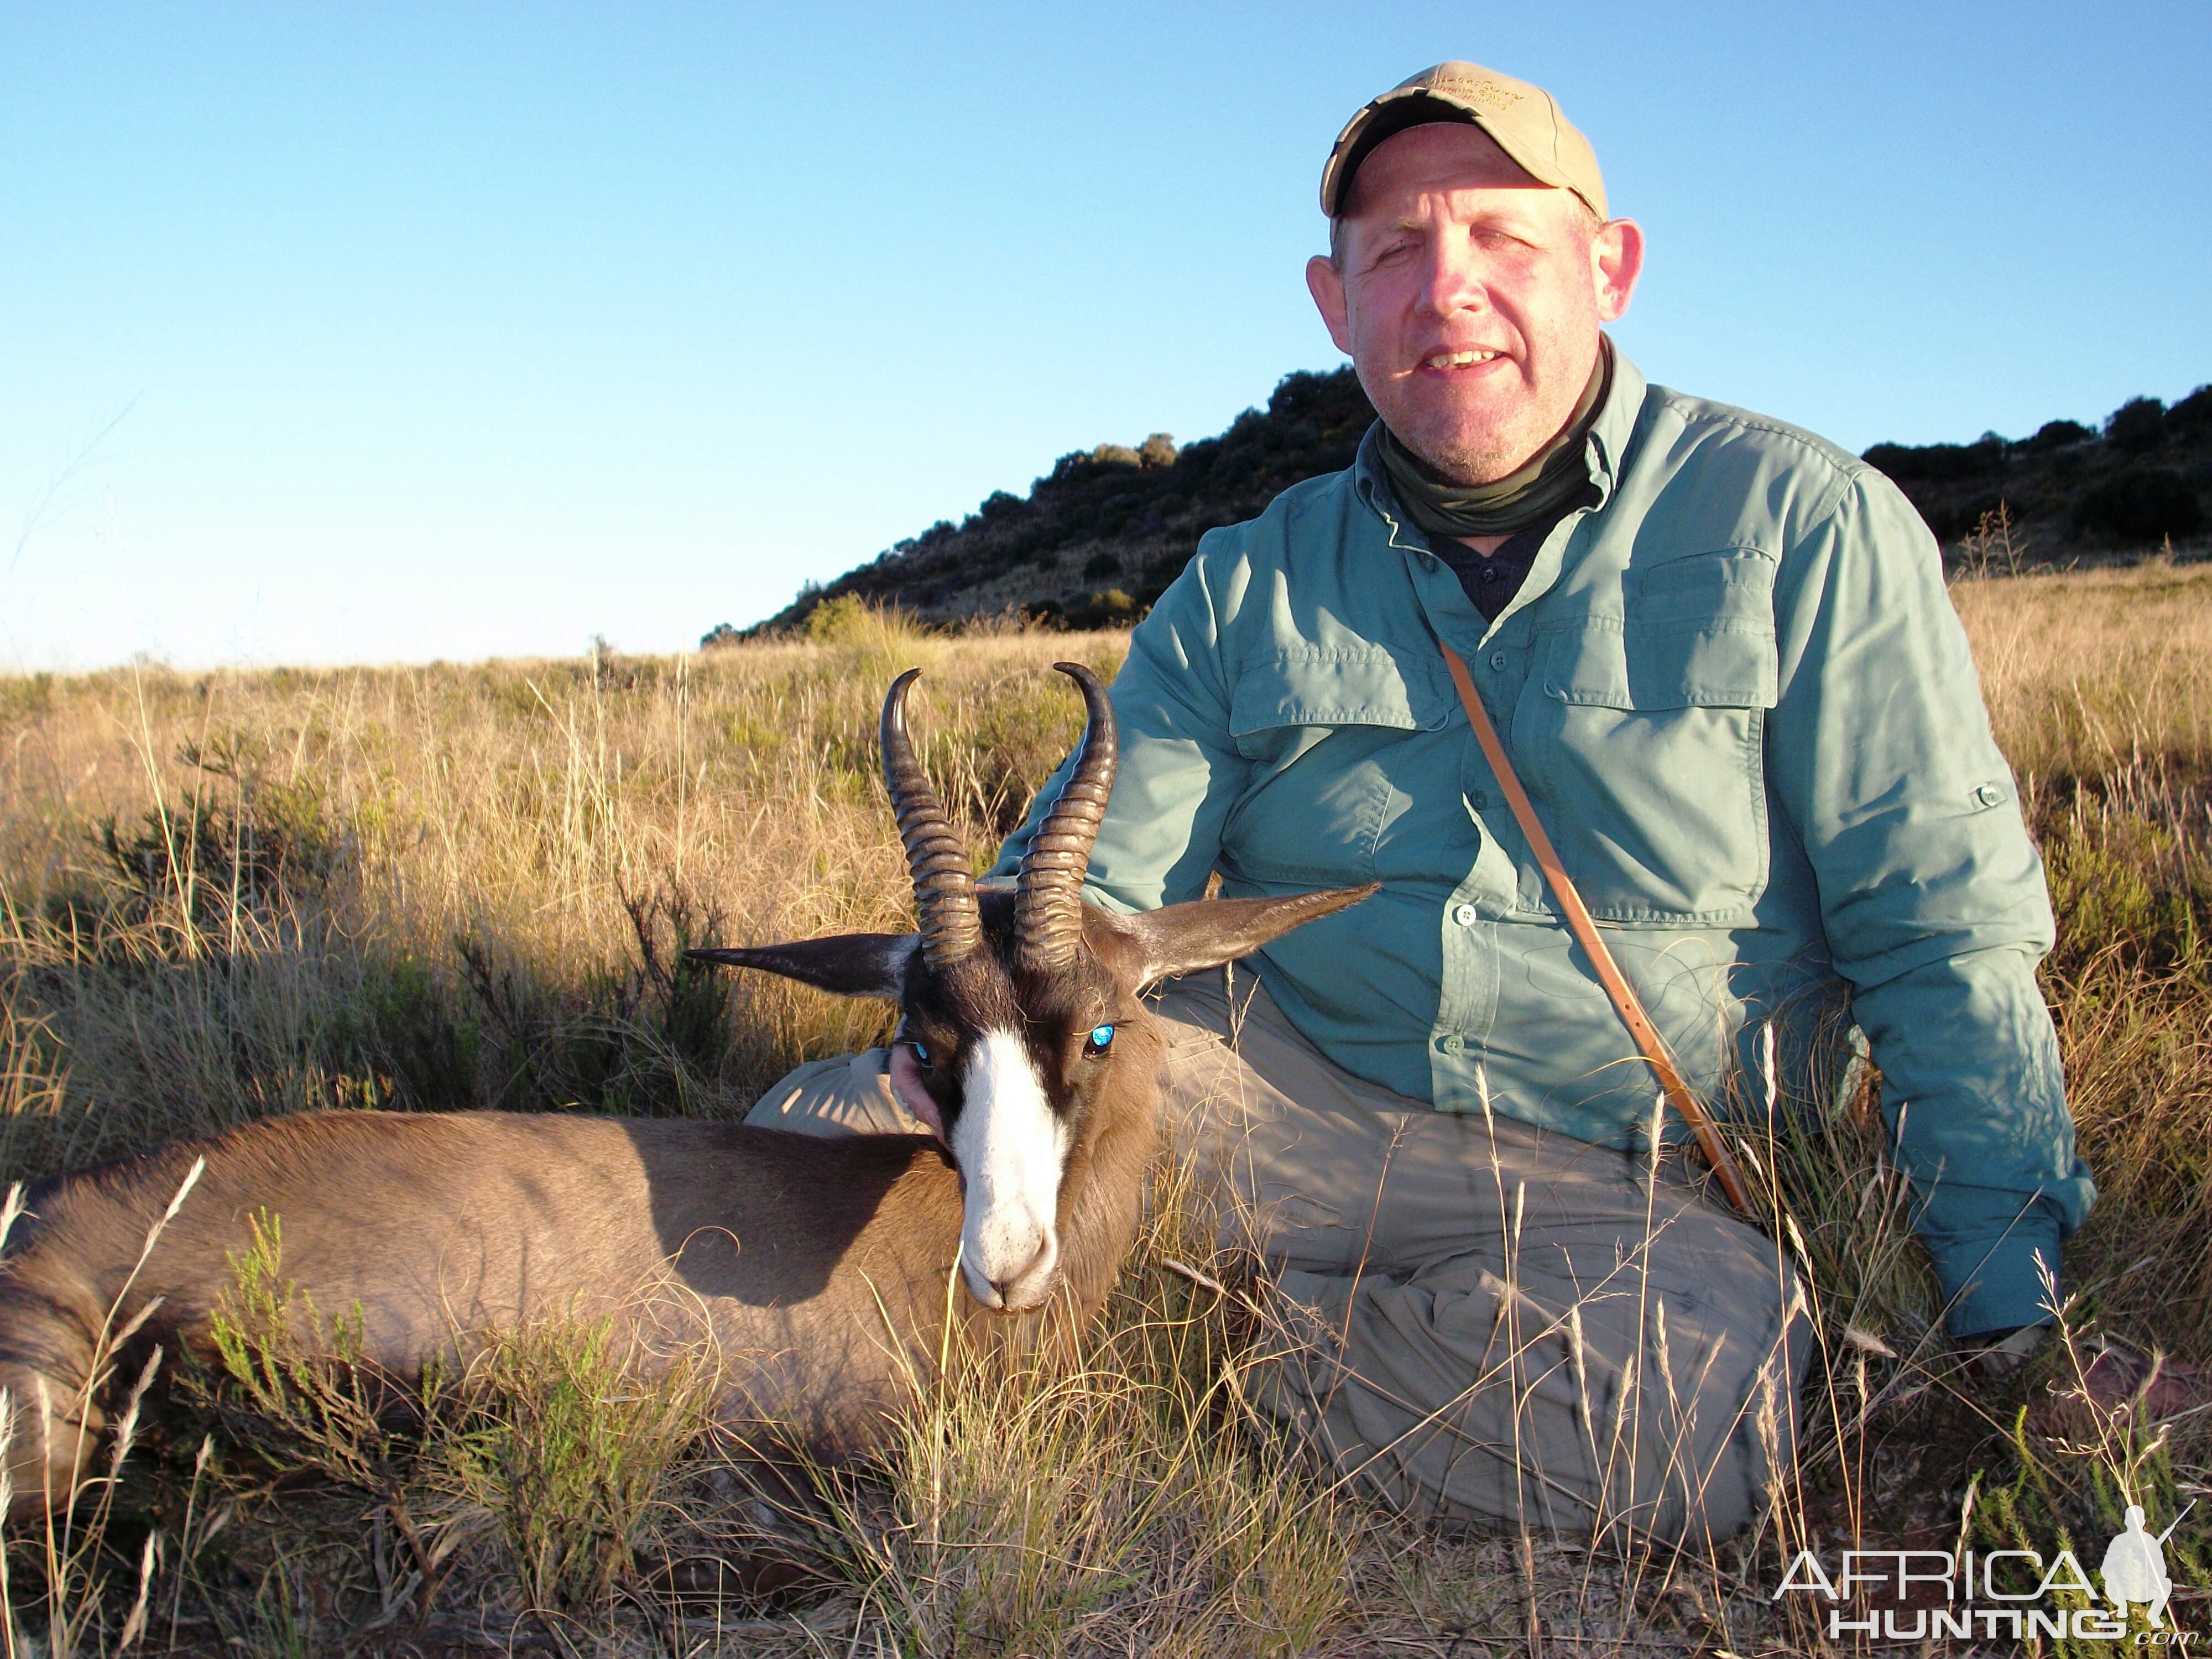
point(1625, 1000)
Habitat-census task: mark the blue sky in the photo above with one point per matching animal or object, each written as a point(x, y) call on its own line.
point(469, 330)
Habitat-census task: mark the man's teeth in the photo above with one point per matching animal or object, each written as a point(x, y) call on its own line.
point(1457, 359)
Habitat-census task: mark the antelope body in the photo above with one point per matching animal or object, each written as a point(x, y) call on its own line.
point(819, 1267)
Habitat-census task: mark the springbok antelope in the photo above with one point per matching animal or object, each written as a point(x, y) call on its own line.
point(818, 1266)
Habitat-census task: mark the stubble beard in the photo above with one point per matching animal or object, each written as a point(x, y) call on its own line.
point(1476, 458)
point(1479, 444)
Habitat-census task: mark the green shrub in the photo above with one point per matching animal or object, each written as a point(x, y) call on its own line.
point(424, 1046)
point(2140, 505)
point(254, 844)
point(568, 1434)
point(2056, 435)
point(1937, 463)
point(2136, 426)
point(25, 696)
point(836, 619)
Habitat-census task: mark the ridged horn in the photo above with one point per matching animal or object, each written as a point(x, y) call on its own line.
point(944, 886)
point(1049, 893)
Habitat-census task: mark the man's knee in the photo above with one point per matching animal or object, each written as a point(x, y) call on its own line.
point(1722, 1334)
point(1660, 1402)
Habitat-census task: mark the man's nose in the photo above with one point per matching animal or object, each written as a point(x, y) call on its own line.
point(1452, 279)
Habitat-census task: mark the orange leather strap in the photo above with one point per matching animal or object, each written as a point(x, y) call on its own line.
point(1625, 1000)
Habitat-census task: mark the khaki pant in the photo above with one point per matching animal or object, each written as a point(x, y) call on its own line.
point(1494, 1323)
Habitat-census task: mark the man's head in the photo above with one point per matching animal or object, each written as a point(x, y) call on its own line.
point(1471, 266)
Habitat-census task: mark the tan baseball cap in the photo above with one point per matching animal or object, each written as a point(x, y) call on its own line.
point(1524, 119)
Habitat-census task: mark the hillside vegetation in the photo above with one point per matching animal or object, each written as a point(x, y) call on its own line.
point(1098, 539)
point(228, 896)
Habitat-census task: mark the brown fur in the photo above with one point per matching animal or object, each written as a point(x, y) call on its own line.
point(820, 1266)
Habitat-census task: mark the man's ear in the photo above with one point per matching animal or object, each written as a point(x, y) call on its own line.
point(1182, 938)
point(1325, 283)
point(1616, 261)
point(850, 965)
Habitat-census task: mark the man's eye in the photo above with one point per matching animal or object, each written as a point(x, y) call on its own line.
point(1101, 1039)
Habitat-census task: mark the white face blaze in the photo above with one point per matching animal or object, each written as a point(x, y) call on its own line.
point(1011, 1149)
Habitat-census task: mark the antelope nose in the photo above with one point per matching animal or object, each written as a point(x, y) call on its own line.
point(1025, 1287)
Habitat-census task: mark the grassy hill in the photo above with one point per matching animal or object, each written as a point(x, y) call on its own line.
point(2071, 493)
point(1096, 539)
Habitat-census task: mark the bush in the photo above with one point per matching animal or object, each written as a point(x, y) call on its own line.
point(849, 619)
point(1937, 463)
point(2193, 412)
point(215, 861)
point(2056, 435)
point(2136, 426)
point(570, 1433)
point(25, 696)
point(1114, 608)
point(2142, 504)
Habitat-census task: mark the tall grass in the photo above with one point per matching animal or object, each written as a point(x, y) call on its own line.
point(231, 895)
point(2099, 688)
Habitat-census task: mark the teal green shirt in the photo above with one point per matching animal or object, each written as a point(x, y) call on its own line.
point(1742, 704)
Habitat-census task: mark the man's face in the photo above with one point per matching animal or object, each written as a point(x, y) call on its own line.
point(1470, 298)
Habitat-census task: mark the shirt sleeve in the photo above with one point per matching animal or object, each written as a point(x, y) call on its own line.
point(1932, 897)
point(1180, 772)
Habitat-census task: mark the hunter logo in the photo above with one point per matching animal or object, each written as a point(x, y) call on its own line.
point(1999, 1593)
point(2135, 1567)
point(1477, 90)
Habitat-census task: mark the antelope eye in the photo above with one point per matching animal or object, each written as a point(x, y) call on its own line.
point(1101, 1039)
point(921, 1052)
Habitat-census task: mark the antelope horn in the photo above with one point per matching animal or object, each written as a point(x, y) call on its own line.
point(1049, 893)
point(943, 887)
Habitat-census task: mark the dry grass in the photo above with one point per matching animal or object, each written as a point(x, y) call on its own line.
point(2099, 688)
point(233, 895)
point(2088, 673)
point(458, 887)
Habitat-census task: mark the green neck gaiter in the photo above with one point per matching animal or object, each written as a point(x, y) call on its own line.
point(1537, 490)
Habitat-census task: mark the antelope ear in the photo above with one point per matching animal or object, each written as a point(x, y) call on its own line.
point(850, 965)
point(1180, 939)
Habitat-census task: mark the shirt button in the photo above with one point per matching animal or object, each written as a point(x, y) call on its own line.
point(1489, 573)
point(1478, 798)
point(1466, 914)
point(1498, 660)
point(1989, 795)
point(1452, 1044)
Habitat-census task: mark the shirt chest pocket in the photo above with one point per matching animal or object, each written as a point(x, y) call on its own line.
point(1324, 731)
point(1644, 741)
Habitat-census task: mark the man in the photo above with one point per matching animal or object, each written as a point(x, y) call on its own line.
point(1720, 655)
